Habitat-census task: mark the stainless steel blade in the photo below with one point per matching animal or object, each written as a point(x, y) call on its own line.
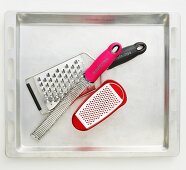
point(44, 127)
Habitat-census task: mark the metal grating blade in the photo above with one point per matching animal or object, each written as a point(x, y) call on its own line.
point(60, 109)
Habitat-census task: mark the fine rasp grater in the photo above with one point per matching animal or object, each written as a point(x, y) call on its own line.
point(89, 76)
point(109, 97)
point(49, 87)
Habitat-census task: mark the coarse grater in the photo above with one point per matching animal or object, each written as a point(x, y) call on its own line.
point(49, 87)
point(46, 87)
point(87, 78)
point(109, 97)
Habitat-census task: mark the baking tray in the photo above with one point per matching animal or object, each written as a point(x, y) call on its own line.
point(148, 125)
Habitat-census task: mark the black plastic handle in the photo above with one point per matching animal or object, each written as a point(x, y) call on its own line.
point(128, 53)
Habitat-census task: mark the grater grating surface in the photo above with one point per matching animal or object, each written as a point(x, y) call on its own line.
point(50, 86)
point(100, 105)
point(54, 83)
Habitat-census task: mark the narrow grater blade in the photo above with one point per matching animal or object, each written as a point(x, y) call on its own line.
point(60, 109)
point(50, 86)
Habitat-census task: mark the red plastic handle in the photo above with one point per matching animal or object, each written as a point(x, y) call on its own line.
point(103, 62)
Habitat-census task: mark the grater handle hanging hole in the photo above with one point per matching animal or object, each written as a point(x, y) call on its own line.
point(140, 47)
point(115, 49)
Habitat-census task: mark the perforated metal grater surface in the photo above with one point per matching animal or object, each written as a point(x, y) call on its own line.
point(101, 104)
point(49, 87)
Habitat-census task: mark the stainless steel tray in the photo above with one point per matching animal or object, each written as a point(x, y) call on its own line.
point(148, 125)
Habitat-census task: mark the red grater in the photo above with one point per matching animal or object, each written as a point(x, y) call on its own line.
point(109, 97)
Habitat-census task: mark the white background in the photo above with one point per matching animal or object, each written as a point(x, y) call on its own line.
point(153, 163)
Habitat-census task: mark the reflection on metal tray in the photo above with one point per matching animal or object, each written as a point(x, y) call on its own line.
point(148, 125)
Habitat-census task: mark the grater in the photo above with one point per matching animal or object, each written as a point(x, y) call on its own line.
point(50, 86)
point(109, 97)
point(85, 80)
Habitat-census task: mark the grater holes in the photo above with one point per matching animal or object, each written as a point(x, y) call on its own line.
point(62, 80)
point(59, 79)
point(54, 75)
point(56, 80)
point(69, 71)
point(52, 85)
point(76, 62)
point(66, 66)
point(78, 67)
point(59, 75)
point(44, 80)
point(47, 85)
point(75, 72)
point(50, 98)
point(63, 71)
point(100, 105)
point(58, 85)
point(72, 67)
point(49, 90)
point(41, 84)
point(57, 70)
point(71, 76)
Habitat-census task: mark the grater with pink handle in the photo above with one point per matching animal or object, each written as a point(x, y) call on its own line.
point(50, 86)
point(109, 97)
point(89, 77)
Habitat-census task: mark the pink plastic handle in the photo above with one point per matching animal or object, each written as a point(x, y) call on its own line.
point(103, 62)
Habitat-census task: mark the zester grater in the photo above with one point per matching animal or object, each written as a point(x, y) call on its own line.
point(109, 97)
point(86, 79)
point(49, 87)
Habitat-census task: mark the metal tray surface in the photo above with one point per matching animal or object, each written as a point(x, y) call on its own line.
point(148, 125)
